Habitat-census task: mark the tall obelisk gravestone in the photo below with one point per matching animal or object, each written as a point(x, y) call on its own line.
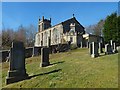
point(17, 71)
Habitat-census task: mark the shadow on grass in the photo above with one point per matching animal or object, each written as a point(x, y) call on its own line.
point(29, 77)
point(45, 73)
point(57, 62)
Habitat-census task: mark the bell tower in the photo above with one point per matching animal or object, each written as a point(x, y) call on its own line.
point(43, 24)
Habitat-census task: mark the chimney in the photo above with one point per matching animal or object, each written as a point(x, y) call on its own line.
point(73, 15)
point(50, 19)
point(39, 18)
point(42, 18)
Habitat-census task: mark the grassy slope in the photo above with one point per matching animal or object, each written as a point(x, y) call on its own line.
point(70, 69)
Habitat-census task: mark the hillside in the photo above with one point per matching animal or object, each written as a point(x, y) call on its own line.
point(73, 69)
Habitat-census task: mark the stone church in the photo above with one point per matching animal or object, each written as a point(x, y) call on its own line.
point(67, 31)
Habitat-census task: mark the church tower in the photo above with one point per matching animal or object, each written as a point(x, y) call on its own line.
point(44, 24)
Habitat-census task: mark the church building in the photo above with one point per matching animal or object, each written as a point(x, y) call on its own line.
point(67, 31)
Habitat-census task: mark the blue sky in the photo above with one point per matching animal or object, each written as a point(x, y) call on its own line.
point(87, 13)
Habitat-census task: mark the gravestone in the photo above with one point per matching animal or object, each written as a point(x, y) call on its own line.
point(69, 44)
point(114, 48)
point(44, 57)
point(87, 44)
point(111, 44)
point(94, 50)
point(81, 44)
point(100, 48)
point(17, 71)
point(108, 49)
point(90, 48)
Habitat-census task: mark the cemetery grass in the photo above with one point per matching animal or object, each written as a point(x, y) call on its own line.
point(73, 69)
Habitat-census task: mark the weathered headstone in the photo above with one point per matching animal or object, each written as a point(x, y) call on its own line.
point(17, 71)
point(94, 50)
point(81, 44)
point(44, 57)
point(114, 48)
point(100, 48)
point(90, 48)
point(108, 49)
point(69, 44)
point(111, 44)
point(87, 44)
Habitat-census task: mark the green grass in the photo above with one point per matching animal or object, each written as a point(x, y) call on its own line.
point(73, 69)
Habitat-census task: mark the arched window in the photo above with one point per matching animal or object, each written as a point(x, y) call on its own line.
point(37, 39)
point(45, 38)
point(56, 36)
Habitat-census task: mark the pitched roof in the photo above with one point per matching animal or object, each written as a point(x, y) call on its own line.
point(68, 20)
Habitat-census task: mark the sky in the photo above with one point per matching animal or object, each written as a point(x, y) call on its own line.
point(87, 13)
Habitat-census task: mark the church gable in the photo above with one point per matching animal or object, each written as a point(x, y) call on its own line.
point(78, 27)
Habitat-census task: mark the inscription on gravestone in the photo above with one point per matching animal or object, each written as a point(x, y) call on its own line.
point(17, 69)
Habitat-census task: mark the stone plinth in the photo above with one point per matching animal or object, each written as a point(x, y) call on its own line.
point(81, 44)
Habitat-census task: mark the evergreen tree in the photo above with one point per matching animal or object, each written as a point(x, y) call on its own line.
point(118, 26)
point(110, 30)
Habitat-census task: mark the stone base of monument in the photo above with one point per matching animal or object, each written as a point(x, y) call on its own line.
point(94, 55)
point(15, 76)
point(106, 53)
point(44, 64)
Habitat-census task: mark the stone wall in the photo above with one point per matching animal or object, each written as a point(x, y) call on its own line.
point(28, 53)
point(4, 54)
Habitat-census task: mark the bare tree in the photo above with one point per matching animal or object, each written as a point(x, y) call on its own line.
point(30, 35)
point(98, 28)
